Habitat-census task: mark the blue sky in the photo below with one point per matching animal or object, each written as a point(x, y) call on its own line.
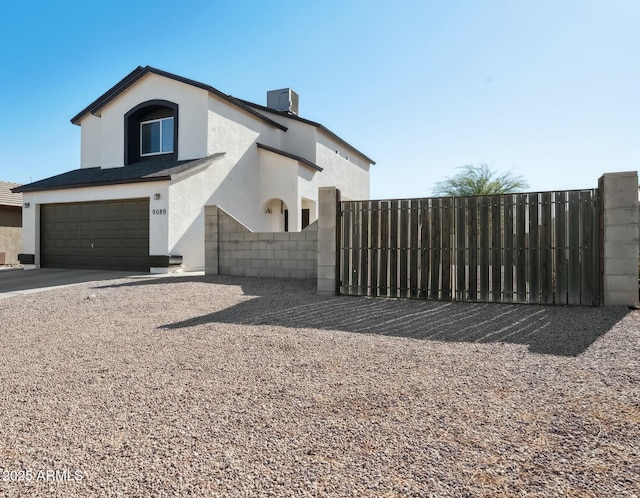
point(549, 89)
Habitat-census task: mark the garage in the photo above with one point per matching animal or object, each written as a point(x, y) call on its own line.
point(102, 235)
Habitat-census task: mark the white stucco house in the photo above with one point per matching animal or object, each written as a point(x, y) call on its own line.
point(155, 149)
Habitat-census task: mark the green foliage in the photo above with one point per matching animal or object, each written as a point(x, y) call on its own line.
point(480, 180)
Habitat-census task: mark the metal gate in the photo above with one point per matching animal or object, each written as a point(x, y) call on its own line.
point(517, 248)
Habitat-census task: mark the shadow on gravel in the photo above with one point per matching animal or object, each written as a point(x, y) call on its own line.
point(555, 330)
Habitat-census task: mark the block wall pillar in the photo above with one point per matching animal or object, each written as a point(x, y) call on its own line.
point(211, 240)
point(619, 197)
point(328, 198)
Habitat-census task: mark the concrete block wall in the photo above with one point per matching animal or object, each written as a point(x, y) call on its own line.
point(620, 237)
point(232, 249)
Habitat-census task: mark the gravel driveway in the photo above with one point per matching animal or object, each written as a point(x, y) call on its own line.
point(203, 386)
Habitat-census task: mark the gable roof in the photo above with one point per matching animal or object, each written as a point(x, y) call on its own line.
point(245, 105)
point(7, 197)
point(300, 159)
point(140, 71)
point(138, 173)
point(321, 127)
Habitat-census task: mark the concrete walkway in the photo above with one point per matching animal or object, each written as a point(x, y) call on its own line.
point(14, 282)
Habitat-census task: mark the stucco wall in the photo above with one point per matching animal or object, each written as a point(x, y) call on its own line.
point(239, 188)
point(348, 169)
point(187, 198)
point(278, 180)
point(90, 140)
point(350, 175)
point(299, 139)
point(107, 137)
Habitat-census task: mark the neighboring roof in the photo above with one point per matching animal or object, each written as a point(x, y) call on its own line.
point(136, 173)
point(290, 115)
point(304, 161)
point(8, 198)
point(140, 71)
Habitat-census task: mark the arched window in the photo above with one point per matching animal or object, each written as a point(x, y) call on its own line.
point(151, 132)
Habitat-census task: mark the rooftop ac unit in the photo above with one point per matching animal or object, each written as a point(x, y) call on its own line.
point(283, 100)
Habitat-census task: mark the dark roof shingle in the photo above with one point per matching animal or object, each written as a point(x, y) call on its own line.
point(136, 173)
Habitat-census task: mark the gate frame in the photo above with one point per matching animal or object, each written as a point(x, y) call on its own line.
point(612, 253)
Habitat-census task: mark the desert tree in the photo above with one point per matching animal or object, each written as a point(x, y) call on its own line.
point(480, 180)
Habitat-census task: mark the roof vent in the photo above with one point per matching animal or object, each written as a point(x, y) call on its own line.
point(283, 100)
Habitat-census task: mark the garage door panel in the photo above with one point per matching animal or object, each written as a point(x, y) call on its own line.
point(101, 208)
point(129, 243)
point(128, 225)
point(54, 209)
point(130, 206)
point(98, 235)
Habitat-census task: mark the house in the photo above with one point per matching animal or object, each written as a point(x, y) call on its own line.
point(10, 224)
point(155, 149)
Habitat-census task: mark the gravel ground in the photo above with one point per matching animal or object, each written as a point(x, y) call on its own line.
point(202, 386)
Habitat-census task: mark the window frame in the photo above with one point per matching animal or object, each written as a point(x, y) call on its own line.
point(143, 112)
point(161, 152)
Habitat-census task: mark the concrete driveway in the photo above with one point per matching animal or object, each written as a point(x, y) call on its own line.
point(14, 282)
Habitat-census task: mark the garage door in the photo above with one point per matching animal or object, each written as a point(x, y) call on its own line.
point(105, 235)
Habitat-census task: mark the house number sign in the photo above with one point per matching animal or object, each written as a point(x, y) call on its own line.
point(159, 211)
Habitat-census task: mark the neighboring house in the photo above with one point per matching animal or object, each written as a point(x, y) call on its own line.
point(155, 149)
point(10, 224)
